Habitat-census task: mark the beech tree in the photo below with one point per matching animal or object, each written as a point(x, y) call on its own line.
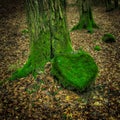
point(111, 5)
point(50, 40)
point(48, 34)
point(86, 18)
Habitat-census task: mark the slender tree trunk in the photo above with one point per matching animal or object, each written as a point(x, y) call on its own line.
point(109, 5)
point(86, 18)
point(48, 34)
point(116, 3)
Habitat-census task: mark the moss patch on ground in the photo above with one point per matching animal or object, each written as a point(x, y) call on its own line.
point(75, 70)
point(108, 38)
point(97, 48)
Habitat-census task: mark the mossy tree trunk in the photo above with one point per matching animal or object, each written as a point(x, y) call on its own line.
point(48, 34)
point(59, 33)
point(86, 18)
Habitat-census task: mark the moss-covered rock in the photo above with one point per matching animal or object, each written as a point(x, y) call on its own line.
point(74, 70)
point(108, 38)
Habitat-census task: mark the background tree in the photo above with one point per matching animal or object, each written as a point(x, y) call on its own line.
point(116, 3)
point(108, 4)
point(111, 5)
point(86, 18)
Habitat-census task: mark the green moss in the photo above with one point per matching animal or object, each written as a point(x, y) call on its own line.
point(97, 48)
point(39, 55)
point(38, 29)
point(25, 31)
point(48, 36)
point(22, 72)
point(108, 38)
point(86, 22)
point(74, 70)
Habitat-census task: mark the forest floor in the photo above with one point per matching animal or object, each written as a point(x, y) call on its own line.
point(43, 98)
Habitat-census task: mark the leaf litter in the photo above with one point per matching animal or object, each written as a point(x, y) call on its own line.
point(43, 98)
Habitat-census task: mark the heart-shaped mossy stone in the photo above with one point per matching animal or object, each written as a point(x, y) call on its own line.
point(74, 70)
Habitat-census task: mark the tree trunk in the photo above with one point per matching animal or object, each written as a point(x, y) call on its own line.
point(109, 6)
point(48, 34)
point(116, 3)
point(59, 33)
point(86, 18)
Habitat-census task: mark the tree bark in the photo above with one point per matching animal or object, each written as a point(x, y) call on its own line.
point(59, 33)
point(116, 3)
point(86, 18)
point(48, 34)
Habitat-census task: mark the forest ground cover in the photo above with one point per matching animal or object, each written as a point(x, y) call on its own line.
point(43, 98)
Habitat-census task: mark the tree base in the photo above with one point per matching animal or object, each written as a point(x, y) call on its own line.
point(23, 72)
point(83, 24)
